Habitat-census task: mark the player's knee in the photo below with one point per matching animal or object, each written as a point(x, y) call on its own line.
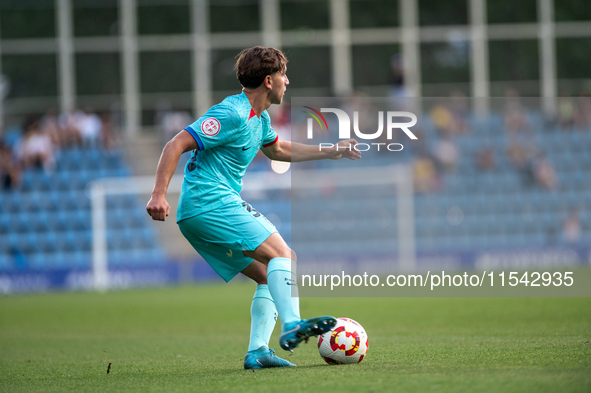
point(285, 252)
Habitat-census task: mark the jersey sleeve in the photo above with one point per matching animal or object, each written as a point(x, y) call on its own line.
point(270, 137)
point(218, 126)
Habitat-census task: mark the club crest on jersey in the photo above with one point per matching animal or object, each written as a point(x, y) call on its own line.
point(210, 126)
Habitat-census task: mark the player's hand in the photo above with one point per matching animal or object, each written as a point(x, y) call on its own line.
point(346, 149)
point(158, 208)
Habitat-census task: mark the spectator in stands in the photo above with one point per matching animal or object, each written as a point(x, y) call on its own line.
point(485, 159)
point(521, 150)
point(36, 149)
point(518, 154)
point(583, 112)
point(398, 90)
point(442, 118)
point(89, 125)
point(460, 111)
point(515, 115)
point(566, 113)
point(544, 173)
point(446, 154)
point(571, 228)
point(50, 126)
point(10, 171)
point(425, 173)
point(108, 140)
point(70, 135)
point(449, 118)
point(522, 155)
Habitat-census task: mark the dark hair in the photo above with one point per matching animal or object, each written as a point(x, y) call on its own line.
point(31, 120)
point(255, 63)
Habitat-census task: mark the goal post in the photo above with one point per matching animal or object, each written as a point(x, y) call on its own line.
point(399, 176)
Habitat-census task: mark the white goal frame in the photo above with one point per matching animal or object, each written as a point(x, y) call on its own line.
point(399, 176)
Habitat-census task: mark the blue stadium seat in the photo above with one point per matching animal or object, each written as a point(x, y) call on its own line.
point(77, 259)
point(5, 262)
point(83, 240)
point(66, 241)
point(38, 222)
point(19, 222)
point(37, 261)
point(5, 227)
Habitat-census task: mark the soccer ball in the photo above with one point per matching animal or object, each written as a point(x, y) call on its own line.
point(346, 343)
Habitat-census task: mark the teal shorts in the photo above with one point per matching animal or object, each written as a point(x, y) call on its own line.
point(221, 235)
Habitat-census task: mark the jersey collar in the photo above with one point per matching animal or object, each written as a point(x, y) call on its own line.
point(252, 113)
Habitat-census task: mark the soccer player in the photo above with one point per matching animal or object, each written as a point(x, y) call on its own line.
point(228, 233)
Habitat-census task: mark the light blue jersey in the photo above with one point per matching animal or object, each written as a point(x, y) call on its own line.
point(229, 136)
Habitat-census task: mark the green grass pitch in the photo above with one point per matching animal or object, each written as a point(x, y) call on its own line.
point(193, 338)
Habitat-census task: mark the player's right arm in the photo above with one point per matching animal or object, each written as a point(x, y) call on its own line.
point(157, 207)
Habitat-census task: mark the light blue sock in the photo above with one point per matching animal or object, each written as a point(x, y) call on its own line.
point(295, 301)
point(263, 316)
point(281, 281)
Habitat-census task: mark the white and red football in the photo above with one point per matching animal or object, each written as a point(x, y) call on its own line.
point(345, 344)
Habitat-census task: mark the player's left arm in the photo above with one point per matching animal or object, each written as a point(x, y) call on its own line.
point(297, 152)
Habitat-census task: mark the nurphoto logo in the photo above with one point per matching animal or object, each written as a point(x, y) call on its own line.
point(392, 123)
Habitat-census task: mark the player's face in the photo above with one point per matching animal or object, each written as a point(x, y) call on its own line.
point(280, 82)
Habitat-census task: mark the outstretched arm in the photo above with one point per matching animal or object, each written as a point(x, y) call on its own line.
point(296, 152)
point(157, 207)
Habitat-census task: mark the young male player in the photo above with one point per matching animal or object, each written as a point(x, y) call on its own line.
point(228, 233)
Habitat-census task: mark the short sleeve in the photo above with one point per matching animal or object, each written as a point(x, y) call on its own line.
point(270, 137)
point(218, 126)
